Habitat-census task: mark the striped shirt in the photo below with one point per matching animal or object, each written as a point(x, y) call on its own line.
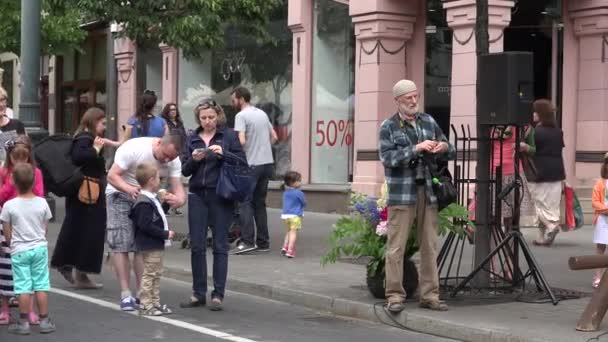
point(402, 164)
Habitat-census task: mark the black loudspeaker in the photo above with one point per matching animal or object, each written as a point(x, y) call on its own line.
point(507, 83)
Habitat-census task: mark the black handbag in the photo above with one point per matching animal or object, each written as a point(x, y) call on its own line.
point(444, 189)
point(235, 181)
point(527, 162)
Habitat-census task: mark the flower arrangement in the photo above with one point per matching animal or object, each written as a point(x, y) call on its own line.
point(363, 233)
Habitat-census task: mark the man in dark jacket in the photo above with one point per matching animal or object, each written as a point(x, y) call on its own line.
point(404, 139)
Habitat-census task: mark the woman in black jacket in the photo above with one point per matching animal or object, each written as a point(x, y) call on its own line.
point(546, 189)
point(203, 158)
point(80, 243)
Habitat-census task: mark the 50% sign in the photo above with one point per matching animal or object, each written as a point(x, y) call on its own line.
point(328, 134)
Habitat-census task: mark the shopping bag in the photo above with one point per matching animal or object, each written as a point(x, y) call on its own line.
point(574, 211)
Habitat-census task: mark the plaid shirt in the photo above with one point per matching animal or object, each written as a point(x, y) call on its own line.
point(397, 151)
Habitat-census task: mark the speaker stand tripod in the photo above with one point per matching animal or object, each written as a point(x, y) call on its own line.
point(511, 243)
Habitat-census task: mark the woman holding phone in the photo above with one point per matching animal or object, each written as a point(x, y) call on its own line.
point(203, 157)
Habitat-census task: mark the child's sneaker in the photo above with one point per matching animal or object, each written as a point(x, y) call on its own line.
point(291, 254)
point(47, 326)
point(128, 304)
point(22, 327)
point(284, 250)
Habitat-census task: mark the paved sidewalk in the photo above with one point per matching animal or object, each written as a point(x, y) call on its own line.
point(340, 288)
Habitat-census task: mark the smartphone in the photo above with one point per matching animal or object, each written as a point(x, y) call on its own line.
point(202, 150)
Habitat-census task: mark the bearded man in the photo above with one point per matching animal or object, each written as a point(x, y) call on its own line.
point(408, 140)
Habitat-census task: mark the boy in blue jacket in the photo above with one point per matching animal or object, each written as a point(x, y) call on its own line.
point(293, 210)
point(152, 234)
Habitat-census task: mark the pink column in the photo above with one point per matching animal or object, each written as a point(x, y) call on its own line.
point(590, 27)
point(569, 101)
point(384, 31)
point(300, 22)
point(169, 77)
point(461, 17)
point(124, 53)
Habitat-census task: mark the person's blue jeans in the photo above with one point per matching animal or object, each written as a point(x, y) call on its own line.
point(254, 209)
point(207, 210)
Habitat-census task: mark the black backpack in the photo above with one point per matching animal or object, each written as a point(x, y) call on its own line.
point(54, 158)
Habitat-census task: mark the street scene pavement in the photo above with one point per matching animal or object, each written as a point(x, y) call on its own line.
point(83, 315)
point(319, 295)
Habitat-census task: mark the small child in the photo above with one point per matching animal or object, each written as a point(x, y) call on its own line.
point(18, 150)
point(600, 206)
point(25, 221)
point(293, 210)
point(151, 232)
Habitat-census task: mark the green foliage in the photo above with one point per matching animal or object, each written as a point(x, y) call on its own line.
point(192, 25)
point(60, 22)
point(355, 236)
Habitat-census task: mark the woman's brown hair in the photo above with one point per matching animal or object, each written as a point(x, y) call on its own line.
point(546, 112)
point(89, 120)
point(19, 149)
point(210, 103)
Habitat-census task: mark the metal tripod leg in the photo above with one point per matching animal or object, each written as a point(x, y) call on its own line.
point(481, 265)
point(537, 273)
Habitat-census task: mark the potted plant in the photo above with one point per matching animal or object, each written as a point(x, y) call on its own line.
point(362, 233)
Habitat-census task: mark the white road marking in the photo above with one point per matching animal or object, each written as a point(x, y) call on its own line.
point(173, 322)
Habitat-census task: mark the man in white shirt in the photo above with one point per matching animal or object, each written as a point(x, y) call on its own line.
point(121, 193)
point(257, 136)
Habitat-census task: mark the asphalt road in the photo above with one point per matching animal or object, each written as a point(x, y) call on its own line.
point(93, 315)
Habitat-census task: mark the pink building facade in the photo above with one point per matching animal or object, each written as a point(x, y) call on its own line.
point(327, 85)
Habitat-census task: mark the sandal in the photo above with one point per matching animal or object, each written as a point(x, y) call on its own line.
point(5, 318)
point(164, 309)
point(551, 236)
point(216, 304)
point(395, 307)
point(66, 272)
point(151, 312)
point(434, 305)
point(13, 302)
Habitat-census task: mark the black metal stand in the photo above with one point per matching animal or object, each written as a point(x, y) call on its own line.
point(511, 243)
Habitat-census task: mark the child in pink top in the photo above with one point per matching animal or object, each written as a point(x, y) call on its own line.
point(17, 151)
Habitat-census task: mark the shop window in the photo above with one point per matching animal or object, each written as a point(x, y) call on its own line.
point(265, 69)
point(332, 94)
point(438, 68)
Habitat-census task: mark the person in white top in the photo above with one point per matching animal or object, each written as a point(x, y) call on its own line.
point(256, 135)
point(121, 193)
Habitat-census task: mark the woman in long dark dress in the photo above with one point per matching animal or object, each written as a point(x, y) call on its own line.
point(79, 248)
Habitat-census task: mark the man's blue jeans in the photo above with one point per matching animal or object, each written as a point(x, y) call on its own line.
point(254, 209)
point(207, 210)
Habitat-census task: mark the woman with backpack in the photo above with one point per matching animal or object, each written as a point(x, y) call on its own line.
point(79, 247)
point(144, 123)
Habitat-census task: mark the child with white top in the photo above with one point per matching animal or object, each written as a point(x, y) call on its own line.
point(294, 203)
point(25, 220)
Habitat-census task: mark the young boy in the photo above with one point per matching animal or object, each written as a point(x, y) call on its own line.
point(25, 220)
point(151, 231)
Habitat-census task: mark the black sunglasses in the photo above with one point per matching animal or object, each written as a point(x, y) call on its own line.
point(207, 103)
